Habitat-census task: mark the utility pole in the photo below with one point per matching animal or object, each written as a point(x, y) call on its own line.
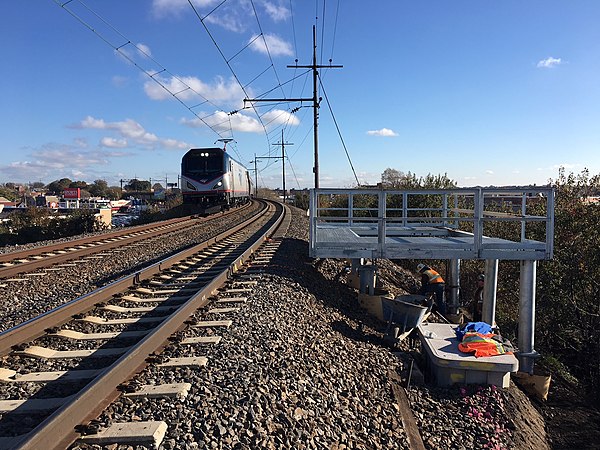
point(270, 157)
point(315, 100)
point(255, 176)
point(283, 144)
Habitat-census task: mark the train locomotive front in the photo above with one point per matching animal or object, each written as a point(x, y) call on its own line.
point(210, 177)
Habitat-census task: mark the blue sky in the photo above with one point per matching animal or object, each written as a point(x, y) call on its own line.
point(489, 92)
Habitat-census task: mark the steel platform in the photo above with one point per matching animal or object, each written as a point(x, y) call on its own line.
point(389, 227)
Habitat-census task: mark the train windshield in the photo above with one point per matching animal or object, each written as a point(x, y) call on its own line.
point(203, 163)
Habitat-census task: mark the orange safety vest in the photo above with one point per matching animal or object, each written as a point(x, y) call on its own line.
point(433, 276)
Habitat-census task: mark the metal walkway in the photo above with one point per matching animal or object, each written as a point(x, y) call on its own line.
point(489, 224)
point(480, 223)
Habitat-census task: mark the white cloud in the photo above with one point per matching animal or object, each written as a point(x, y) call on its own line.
point(162, 8)
point(52, 161)
point(119, 81)
point(276, 45)
point(489, 172)
point(386, 132)
point(221, 91)
point(128, 130)
point(222, 121)
point(279, 117)
point(144, 49)
point(233, 15)
point(277, 13)
point(113, 143)
point(139, 54)
point(549, 62)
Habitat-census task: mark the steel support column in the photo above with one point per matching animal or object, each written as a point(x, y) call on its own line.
point(488, 310)
point(453, 286)
point(366, 274)
point(527, 353)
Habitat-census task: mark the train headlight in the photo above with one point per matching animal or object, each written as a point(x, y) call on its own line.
point(191, 186)
point(218, 185)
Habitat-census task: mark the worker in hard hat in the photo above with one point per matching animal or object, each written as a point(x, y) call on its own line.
point(431, 281)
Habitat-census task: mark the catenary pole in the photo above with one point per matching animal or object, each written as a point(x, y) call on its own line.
point(315, 100)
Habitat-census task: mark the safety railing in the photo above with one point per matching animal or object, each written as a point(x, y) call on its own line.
point(475, 223)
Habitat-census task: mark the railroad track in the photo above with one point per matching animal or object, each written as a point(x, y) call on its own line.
point(75, 367)
point(29, 260)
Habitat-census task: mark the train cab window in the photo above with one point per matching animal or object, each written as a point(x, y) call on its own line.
point(203, 162)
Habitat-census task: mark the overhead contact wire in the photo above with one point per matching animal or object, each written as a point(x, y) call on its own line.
point(338, 130)
point(201, 19)
point(152, 76)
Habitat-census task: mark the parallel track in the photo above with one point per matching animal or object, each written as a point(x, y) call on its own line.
point(201, 274)
point(23, 261)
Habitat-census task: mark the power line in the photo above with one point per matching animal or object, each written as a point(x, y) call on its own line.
point(337, 10)
point(322, 32)
point(293, 30)
point(266, 46)
point(339, 132)
point(152, 74)
point(201, 19)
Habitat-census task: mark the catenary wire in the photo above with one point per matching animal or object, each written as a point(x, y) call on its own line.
point(201, 19)
point(152, 75)
point(338, 130)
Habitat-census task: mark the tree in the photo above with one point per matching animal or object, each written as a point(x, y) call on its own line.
point(392, 178)
point(113, 193)
point(138, 185)
point(8, 193)
point(98, 189)
point(58, 186)
point(78, 184)
point(37, 185)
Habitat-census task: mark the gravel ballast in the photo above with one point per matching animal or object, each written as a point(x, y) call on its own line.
point(302, 367)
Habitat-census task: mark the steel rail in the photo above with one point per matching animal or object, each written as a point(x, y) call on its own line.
point(58, 430)
point(79, 253)
point(34, 328)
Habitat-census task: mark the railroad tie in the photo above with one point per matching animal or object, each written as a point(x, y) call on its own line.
point(236, 291)
point(141, 433)
point(213, 323)
point(36, 351)
point(245, 283)
point(143, 309)
point(222, 310)
point(174, 390)
point(32, 405)
point(11, 376)
point(189, 361)
point(232, 300)
point(136, 299)
point(102, 321)
point(78, 336)
point(147, 291)
point(201, 340)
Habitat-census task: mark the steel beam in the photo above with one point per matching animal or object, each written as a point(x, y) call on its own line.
point(488, 310)
point(527, 280)
point(454, 286)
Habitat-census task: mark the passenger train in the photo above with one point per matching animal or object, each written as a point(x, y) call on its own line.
point(210, 177)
